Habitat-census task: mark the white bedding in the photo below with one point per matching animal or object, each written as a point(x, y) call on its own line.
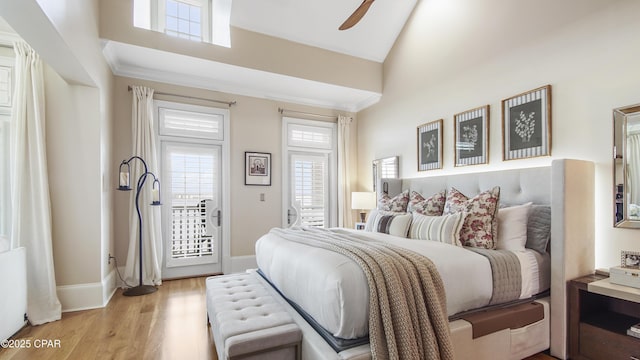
point(328, 275)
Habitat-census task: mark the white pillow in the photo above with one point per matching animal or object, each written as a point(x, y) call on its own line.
point(512, 227)
point(391, 223)
point(444, 228)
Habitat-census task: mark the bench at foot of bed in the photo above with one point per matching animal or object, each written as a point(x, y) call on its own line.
point(247, 322)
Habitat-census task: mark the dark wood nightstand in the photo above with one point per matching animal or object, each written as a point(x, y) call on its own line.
point(599, 318)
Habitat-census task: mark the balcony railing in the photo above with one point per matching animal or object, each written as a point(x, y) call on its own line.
point(191, 236)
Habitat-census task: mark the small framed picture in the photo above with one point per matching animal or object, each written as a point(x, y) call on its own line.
point(526, 124)
point(257, 168)
point(430, 146)
point(472, 136)
point(630, 259)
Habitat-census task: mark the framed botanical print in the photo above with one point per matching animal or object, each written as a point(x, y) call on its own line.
point(257, 168)
point(472, 137)
point(526, 124)
point(430, 146)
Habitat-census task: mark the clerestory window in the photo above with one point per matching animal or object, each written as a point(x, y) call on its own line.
point(196, 20)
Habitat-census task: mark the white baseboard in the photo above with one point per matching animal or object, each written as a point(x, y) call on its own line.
point(97, 295)
point(87, 296)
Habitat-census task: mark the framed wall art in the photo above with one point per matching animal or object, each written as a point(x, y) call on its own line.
point(630, 259)
point(257, 168)
point(430, 146)
point(526, 124)
point(472, 137)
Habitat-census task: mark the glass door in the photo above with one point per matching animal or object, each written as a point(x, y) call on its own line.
point(192, 209)
point(308, 190)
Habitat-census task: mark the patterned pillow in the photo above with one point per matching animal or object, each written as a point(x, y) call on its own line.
point(432, 206)
point(397, 203)
point(444, 228)
point(389, 223)
point(480, 228)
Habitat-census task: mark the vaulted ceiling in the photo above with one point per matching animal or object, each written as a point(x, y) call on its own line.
point(312, 23)
point(316, 23)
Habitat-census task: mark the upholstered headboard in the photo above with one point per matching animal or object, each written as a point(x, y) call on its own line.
point(517, 186)
point(566, 185)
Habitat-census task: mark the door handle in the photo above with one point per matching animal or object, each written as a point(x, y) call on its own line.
point(218, 216)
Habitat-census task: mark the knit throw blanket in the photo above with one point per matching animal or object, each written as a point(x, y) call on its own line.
point(407, 305)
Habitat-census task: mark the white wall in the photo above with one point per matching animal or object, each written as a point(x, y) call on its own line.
point(455, 55)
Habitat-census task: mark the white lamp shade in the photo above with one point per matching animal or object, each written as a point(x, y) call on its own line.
point(363, 200)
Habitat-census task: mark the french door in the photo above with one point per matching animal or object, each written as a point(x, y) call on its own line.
point(308, 190)
point(191, 208)
point(309, 173)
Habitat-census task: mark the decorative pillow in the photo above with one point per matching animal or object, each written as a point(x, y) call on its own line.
point(539, 228)
point(480, 225)
point(432, 206)
point(396, 224)
point(444, 228)
point(368, 226)
point(512, 222)
point(397, 203)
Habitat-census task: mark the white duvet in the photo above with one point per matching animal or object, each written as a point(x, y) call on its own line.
point(334, 291)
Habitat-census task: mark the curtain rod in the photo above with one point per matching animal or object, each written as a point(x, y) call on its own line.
point(228, 103)
point(282, 111)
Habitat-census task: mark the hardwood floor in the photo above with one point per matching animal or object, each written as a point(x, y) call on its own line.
point(168, 324)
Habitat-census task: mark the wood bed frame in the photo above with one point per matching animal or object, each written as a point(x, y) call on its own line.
point(568, 187)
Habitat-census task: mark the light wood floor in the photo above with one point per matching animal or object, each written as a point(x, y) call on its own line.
point(168, 324)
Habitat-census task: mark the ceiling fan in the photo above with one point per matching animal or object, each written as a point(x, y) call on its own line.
point(357, 15)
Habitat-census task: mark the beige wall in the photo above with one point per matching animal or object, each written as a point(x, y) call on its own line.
point(74, 179)
point(248, 49)
point(456, 55)
point(256, 125)
point(78, 117)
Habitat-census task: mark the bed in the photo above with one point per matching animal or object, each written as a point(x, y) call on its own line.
point(309, 280)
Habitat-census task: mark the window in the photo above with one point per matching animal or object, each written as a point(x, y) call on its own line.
point(309, 173)
point(6, 92)
point(196, 20)
point(183, 18)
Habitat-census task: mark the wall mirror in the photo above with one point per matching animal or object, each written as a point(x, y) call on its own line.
point(386, 168)
point(626, 168)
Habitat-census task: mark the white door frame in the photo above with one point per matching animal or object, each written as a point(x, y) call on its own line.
point(225, 168)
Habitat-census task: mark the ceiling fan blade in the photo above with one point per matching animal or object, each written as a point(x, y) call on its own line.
point(357, 15)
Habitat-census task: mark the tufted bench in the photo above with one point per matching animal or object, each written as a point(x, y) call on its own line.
point(247, 322)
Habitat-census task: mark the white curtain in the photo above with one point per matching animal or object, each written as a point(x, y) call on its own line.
point(30, 202)
point(144, 146)
point(344, 172)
